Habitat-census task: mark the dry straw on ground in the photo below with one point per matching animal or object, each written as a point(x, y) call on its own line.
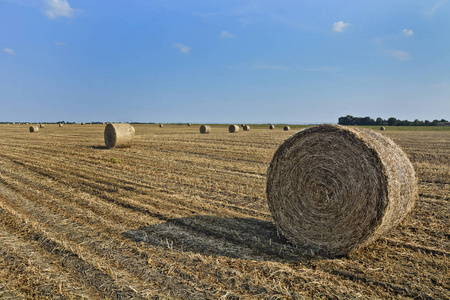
point(34, 129)
point(335, 189)
point(205, 129)
point(246, 128)
point(119, 135)
point(272, 127)
point(286, 128)
point(382, 128)
point(233, 128)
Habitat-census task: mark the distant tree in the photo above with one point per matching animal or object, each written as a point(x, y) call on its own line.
point(347, 120)
point(392, 121)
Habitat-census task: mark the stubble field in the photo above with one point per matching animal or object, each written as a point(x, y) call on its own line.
point(184, 215)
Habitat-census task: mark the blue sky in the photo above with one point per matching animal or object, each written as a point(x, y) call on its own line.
point(223, 61)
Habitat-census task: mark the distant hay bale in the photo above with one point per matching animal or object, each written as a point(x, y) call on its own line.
point(189, 124)
point(382, 128)
point(286, 128)
point(161, 125)
point(61, 124)
point(242, 125)
point(233, 128)
point(205, 129)
point(271, 126)
point(119, 135)
point(41, 126)
point(246, 128)
point(14, 123)
point(34, 129)
point(335, 189)
point(82, 123)
point(27, 123)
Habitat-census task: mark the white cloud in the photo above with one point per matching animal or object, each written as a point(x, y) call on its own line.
point(226, 34)
point(59, 44)
point(9, 51)
point(340, 26)
point(58, 8)
point(432, 10)
point(398, 55)
point(183, 48)
point(407, 32)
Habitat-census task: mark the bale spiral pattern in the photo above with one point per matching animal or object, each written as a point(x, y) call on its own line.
point(246, 128)
point(286, 128)
point(34, 129)
point(119, 135)
point(335, 189)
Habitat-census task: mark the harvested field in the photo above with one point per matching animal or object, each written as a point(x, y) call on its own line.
point(184, 215)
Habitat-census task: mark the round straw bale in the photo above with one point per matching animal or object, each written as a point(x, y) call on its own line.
point(61, 124)
point(382, 128)
point(82, 123)
point(335, 189)
point(189, 124)
point(41, 125)
point(271, 126)
point(14, 123)
point(34, 129)
point(286, 128)
point(205, 129)
point(119, 135)
point(233, 128)
point(242, 125)
point(246, 128)
point(161, 125)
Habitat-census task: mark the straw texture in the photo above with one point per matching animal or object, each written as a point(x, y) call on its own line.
point(246, 128)
point(286, 128)
point(205, 129)
point(34, 129)
point(233, 128)
point(335, 189)
point(119, 135)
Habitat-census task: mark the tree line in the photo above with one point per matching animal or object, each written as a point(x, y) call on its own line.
point(350, 120)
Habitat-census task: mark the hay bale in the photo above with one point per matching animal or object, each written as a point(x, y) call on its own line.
point(286, 128)
point(41, 126)
point(382, 128)
point(335, 189)
point(205, 129)
point(161, 125)
point(246, 128)
point(34, 129)
point(119, 135)
point(82, 123)
point(233, 128)
point(61, 124)
point(272, 127)
point(189, 124)
point(14, 123)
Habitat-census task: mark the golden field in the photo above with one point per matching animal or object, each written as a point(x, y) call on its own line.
point(183, 215)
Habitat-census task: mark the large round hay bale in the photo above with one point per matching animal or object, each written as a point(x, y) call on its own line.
point(34, 129)
point(119, 135)
point(233, 128)
point(334, 189)
point(246, 128)
point(286, 128)
point(272, 127)
point(382, 128)
point(205, 129)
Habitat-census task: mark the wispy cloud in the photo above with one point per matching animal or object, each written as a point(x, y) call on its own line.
point(430, 12)
point(398, 55)
point(407, 32)
point(9, 51)
point(183, 48)
point(59, 44)
point(58, 8)
point(340, 26)
point(270, 67)
point(226, 34)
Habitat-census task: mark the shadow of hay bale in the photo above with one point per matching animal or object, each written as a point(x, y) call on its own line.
point(244, 238)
